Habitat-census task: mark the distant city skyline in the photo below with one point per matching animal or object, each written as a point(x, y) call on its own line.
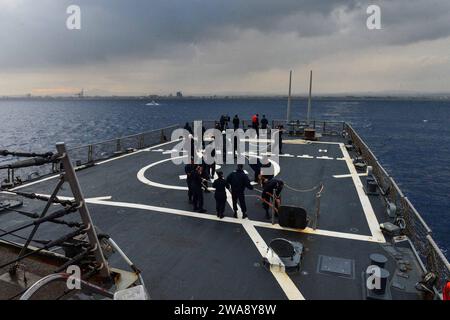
point(204, 48)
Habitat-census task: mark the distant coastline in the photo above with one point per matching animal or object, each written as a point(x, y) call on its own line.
point(418, 97)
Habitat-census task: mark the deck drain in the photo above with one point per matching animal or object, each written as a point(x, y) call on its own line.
point(336, 266)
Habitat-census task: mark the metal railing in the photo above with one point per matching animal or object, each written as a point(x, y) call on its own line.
point(325, 127)
point(88, 154)
point(415, 227)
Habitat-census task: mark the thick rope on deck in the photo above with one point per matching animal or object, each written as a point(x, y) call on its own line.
point(319, 186)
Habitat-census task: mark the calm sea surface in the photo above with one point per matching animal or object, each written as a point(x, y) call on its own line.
point(410, 138)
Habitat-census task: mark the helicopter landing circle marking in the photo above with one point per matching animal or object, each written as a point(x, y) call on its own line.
point(141, 174)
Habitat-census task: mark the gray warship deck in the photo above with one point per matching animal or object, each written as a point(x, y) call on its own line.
point(140, 200)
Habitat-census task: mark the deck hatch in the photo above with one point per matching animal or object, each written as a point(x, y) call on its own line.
point(336, 266)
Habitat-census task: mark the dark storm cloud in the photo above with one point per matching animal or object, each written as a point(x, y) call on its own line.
point(33, 32)
point(410, 21)
point(209, 45)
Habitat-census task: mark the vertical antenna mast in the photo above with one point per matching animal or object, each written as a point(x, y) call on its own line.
point(288, 118)
point(308, 115)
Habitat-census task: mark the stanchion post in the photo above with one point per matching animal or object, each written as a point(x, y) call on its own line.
point(318, 195)
point(273, 206)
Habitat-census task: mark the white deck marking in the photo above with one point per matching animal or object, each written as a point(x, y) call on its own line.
point(136, 152)
point(105, 200)
point(303, 141)
point(338, 176)
point(327, 233)
point(161, 209)
point(183, 177)
point(305, 156)
point(286, 155)
point(141, 176)
point(325, 158)
point(325, 142)
point(363, 198)
point(276, 166)
point(257, 140)
point(286, 283)
point(97, 163)
point(35, 182)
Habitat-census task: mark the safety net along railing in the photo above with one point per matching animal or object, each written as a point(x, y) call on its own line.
point(415, 227)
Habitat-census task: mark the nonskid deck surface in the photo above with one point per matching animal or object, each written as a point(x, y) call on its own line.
point(140, 200)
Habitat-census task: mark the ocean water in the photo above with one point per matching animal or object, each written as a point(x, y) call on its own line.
point(410, 138)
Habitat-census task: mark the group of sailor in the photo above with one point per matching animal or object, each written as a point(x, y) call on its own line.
point(198, 176)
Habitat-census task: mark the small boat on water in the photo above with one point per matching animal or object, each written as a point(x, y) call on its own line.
point(153, 103)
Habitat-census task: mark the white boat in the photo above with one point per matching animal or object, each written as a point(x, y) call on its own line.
point(153, 103)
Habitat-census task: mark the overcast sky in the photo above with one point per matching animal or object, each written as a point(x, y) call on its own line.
point(220, 47)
